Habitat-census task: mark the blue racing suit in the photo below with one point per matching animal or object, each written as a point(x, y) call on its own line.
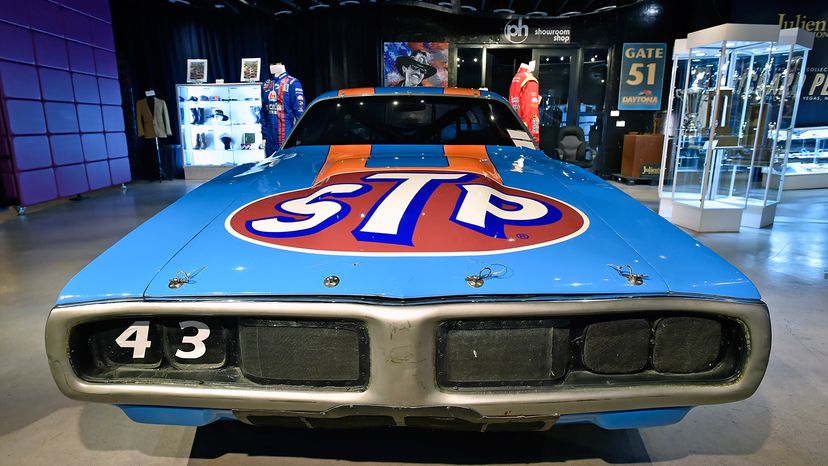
point(283, 102)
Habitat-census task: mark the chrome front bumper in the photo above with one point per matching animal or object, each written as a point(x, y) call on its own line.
point(403, 357)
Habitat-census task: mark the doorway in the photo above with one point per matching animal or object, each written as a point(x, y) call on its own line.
point(501, 66)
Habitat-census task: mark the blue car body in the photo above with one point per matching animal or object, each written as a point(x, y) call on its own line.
point(192, 237)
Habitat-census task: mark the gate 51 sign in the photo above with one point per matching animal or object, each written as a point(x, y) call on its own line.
point(642, 76)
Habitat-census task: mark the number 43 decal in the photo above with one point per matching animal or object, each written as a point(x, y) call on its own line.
point(136, 336)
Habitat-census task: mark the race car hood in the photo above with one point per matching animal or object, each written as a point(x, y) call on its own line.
point(262, 231)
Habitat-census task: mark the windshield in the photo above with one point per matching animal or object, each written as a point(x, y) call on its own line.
point(417, 119)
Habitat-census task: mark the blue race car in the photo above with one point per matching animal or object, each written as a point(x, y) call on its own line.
point(409, 257)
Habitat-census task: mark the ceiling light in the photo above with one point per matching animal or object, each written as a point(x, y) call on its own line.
point(537, 13)
point(569, 14)
point(219, 5)
point(468, 8)
point(506, 11)
point(318, 5)
point(348, 2)
point(283, 12)
point(604, 8)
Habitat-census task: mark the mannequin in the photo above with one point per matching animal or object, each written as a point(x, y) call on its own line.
point(524, 98)
point(153, 122)
point(283, 102)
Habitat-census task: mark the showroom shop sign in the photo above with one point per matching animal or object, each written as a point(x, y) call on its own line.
point(520, 31)
point(642, 76)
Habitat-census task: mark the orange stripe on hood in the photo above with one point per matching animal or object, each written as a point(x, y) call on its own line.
point(352, 158)
point(356, 91)
point(460, 91)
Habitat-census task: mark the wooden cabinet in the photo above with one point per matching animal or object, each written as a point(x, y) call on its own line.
point(640, 150)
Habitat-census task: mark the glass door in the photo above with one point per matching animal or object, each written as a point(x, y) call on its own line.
point(557, 73)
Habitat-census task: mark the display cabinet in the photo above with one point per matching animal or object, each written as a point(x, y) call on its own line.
point(741, 86)
point(807, 164)
point(220, 127)
point(671, 127)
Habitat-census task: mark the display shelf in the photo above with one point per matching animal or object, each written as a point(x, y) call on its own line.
point(807, 164)
point(741, 85)
point(220, 127)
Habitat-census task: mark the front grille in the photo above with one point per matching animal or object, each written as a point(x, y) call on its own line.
point(303, 352)
point(599, 350)
point(241, 352)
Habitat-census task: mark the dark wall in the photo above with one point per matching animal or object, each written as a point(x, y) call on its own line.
point(154, 39)
point(341, 47)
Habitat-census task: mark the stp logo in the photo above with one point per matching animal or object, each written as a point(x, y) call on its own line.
point(407, 213)
point(516, 33)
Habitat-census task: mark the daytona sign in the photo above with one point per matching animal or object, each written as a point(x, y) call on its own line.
point(407, 213)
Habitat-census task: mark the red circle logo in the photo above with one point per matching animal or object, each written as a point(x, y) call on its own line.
point(407, 213)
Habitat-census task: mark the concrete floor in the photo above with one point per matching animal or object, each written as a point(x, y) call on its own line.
point(785, 422)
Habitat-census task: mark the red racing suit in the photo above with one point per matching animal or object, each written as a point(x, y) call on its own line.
point(523, 95)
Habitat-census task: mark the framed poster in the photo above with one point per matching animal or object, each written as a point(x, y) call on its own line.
point(197, 70)
point(413, 64)
point(250, 69)
point(642, 76)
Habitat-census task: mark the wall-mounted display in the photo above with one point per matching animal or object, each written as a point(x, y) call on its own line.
point(642, 76)
point(220, 127)
point(414, 64)
point(196, 70)
point(250, 70)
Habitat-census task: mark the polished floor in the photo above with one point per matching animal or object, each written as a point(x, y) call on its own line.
point(785, 422)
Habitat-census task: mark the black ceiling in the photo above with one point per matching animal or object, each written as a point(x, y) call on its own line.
point(503, 8)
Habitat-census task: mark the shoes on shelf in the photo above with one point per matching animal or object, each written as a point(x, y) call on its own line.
point(196, 117)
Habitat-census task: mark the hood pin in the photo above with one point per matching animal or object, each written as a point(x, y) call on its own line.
point(331, 281)
point(182, 278)
point(476, 281)
point(626, 271)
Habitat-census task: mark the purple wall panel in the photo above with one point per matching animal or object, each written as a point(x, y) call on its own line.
point(14, 11)
point(19, 81)
point(110, 91)
point(31, 152)
point(106, 64)
point(50, 51)
point(116, 145)
point(60, 117)
point(119, 168)
point(46, 17)
point(71, 180)
point(56, 85)
point(25, 117)
point(102, 35)
point(76, 26)
point(94, 147)
point(16, 43)
point(81, 58)
point(113, 117)
point(66, 149)
point(36, 186)
point(98, 175)
point(57, 66)
point(89, 118)
point(86, 89)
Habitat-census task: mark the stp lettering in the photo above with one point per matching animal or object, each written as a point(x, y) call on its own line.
point(405, 213)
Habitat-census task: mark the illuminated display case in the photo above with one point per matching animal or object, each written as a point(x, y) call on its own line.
point(741, 86)
point(671, 127)
point(220, 127)
point(807, 163)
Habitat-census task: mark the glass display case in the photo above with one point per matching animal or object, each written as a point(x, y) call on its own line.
point(740, 87)
point(671, 127)
point(220, 127)
point(807, 163)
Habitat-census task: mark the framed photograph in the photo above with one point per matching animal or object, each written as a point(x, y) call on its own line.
point(414, 64)
point(250, 69)
point(197, 70)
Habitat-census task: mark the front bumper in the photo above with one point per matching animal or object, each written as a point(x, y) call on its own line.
point(402, 382)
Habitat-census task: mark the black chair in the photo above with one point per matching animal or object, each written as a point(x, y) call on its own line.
point(572, 147)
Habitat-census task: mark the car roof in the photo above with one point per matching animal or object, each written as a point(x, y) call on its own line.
point(366, 91)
